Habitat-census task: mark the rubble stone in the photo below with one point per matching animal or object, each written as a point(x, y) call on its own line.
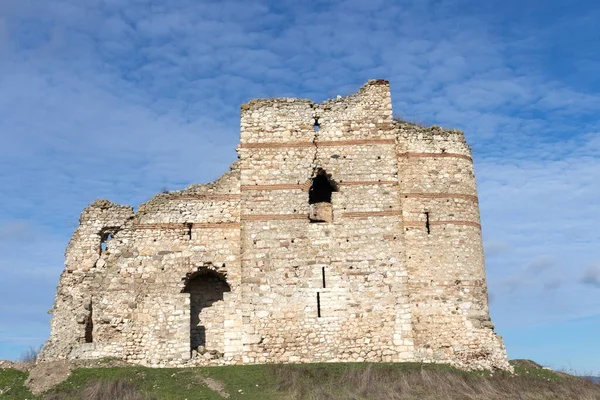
point(341, 234)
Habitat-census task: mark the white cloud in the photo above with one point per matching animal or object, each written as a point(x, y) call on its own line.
point(117, 99)
point(591, 275)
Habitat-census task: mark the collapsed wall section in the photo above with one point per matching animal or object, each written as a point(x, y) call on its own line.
point(340, 235)
point(322, 281)
point(444, 253)
point(72, 320)
point(140, 292)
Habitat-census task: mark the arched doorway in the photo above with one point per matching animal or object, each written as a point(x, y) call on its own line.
point(207, 310)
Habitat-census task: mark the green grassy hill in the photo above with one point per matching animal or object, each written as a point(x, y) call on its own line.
point(311, 381)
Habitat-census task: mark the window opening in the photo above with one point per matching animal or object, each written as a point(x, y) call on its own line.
point(321, 188)
point(427, 225)
point(207, 289)
point(104, 241)
point(323, 273)
point(318, 304)
point(89, 327)
point(316, 125)
point(189, 230)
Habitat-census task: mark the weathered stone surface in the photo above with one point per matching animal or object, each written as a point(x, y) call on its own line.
point(339, 235)
point(19, 366)
point(46, 375)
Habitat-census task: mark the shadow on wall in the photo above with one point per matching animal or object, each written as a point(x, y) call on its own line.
point(207, 314)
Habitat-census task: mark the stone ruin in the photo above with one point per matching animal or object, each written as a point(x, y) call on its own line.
point(340, 235)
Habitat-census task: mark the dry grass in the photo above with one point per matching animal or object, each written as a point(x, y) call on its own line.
point(383, 382)
point(107, 390)
point(30, 355)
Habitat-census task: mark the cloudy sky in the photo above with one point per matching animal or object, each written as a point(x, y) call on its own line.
point(119, 99)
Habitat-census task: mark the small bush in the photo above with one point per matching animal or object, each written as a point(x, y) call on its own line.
point(30, 355)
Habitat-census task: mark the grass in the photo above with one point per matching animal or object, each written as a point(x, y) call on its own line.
point(357, 381)
point(12, 385)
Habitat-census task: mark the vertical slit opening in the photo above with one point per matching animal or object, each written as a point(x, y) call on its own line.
point(323, 273)
point(427, 225)
point(89, 327)
point(189, 230)
point(316, 125)
point(318, 304)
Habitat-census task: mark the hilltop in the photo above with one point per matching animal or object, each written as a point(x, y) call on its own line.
point(401, 381)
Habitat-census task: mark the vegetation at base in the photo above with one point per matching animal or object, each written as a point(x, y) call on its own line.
point(357, 381)
point(12, 385)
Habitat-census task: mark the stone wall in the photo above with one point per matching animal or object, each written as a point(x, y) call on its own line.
point(339, 235)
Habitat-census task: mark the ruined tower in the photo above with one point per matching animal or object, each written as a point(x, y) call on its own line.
point(341, 234)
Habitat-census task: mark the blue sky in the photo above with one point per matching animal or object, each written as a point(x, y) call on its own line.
point(120, 98)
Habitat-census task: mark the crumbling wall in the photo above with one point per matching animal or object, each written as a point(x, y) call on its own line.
point(133, 292)
point(72, 321)
point(322, 291)
point(340, 235)
point(444, 255)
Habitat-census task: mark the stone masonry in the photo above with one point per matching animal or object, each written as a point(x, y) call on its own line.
point(340, 234)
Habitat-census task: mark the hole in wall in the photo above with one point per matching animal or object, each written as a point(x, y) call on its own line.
point(206, 288)
point(316, 125)
point(89, 326)
point(323, 275)
point(321, 188)
point(318, 305)
point(319, 197)
point(427, 225)
point(105, 237)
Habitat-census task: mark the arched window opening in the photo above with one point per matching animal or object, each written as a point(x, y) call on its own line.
point(321, 188)
point(319, 197)
point(207, 311)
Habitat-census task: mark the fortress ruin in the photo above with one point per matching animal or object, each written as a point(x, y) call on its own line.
point(340, 234)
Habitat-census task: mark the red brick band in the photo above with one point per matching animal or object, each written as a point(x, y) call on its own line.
point(460, 285)
point(207, 196)
point(434, 155)
point(367, 183)
point(279, 186)
point(219, 225)
point(273, 217)
point(474, 283)
point(366, 214)
point(195, 225)
point(306, 186)
point(441, 196)
point(326, 143)
point(422, 223)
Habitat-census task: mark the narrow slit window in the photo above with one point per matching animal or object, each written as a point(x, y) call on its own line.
point(427, 224)
point(323, 274)
point(318, 304)
point(316, 125)
point(189, 231)
point(89, 326)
